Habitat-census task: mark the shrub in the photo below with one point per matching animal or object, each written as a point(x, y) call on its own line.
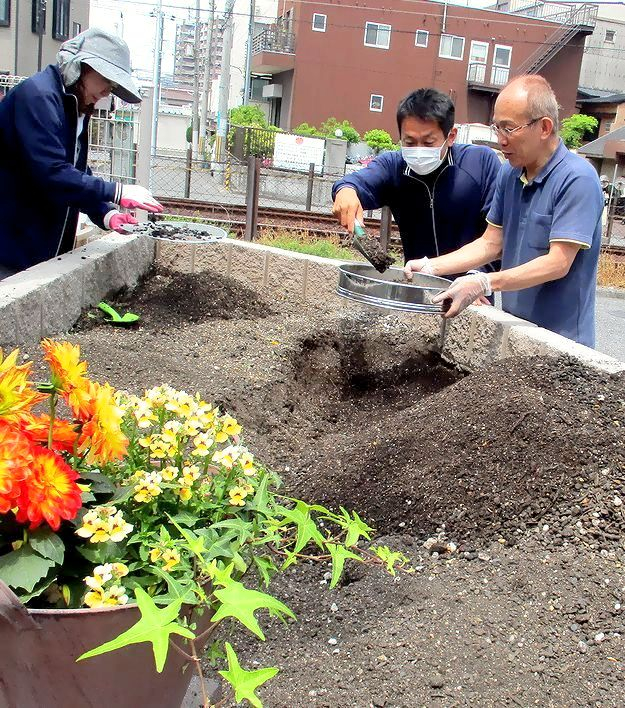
point(576, 127)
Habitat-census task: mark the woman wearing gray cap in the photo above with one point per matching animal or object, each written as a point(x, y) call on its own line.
point(44, 178)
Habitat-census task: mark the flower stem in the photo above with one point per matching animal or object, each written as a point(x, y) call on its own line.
point(53, 399)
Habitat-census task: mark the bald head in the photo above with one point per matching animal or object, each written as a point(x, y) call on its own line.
point(533, 95)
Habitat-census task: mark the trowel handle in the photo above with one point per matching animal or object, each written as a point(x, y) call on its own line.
point(359, 229)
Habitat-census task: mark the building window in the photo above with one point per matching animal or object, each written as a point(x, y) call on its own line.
point(5, 13)
point(319, 22)
point(60, 20)
point(609, 36)
point(377, 35)
point(421, 38)
point(376, 103)
point(76, 28)
point(38, 17)
point(451, 47)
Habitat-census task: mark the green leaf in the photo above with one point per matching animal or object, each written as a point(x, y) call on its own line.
point(24, 568)
point(177, 590)
point(356, 528)
point(391, 559)
point(266, 568)
point(40, 587)
point(239, 602)
point(155, 626)
point(242, 528)
point(307, 530)
point(245, 682)
point(99, 483)
point(184, 518)
point(47, 544)
point(102, 552)
point(339, 555)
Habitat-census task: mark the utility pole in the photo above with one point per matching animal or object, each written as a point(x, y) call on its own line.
point(196, 85)
point(41, 27)
point(224, 87)
point(248, 58)
point(158, 58)
point(208, 70)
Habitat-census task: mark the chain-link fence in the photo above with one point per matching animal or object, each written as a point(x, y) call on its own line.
point(113, 144)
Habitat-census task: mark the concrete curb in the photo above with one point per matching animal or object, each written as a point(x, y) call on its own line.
point(618, 293)
point(478, 336)
point(49, 297)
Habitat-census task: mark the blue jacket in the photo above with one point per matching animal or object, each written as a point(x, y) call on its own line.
point(437, 213)
point(41, 191)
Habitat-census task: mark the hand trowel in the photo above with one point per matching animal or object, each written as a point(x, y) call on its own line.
point(370, 248)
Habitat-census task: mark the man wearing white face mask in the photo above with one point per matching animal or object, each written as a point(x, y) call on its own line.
point(439, 193)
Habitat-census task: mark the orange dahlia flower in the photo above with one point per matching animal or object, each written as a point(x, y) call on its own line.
point(68, 375)
point(49, 492)
point(17, 396)
point(64, 433)
point(101, 436)
point(15, 458)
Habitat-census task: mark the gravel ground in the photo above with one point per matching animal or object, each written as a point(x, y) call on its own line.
point(505, 488)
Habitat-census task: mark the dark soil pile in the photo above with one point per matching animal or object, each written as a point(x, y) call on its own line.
point(495, 451)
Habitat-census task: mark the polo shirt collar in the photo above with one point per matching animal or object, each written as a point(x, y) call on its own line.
point(557, 157)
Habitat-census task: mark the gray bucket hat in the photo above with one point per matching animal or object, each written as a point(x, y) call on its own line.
point(105, 53)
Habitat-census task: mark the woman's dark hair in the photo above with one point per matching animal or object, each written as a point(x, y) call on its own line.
point(427, 104)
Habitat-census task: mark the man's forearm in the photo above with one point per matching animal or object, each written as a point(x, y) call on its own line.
point(540, 270)
point(475, 254)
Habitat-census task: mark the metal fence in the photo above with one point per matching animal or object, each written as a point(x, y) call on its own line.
point(7, 82)
point(114, 144)
point(614, 219)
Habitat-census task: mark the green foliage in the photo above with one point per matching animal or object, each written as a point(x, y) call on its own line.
point(189, 134)
point(155, 626)
point(379, 140)
point(576, 127)
point(306, 129)
point(245, 682)
point(330, 126)
point(247, 115)
point(313, 247)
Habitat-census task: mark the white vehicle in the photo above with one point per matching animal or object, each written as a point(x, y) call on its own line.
point(478, 134)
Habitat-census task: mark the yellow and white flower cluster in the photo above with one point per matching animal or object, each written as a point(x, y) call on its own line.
point(104, 587)
point(169, 557)
point(104, 523)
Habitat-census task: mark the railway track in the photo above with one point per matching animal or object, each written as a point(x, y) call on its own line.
point(316, 224)
point(268, 217)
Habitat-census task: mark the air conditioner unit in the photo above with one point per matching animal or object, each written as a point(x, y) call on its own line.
point(272, 91)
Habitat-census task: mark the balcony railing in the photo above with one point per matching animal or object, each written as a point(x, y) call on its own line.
point(274, 39)
point(480, 75)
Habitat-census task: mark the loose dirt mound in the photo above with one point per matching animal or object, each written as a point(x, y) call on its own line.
point(170, 299)
point(491, 453)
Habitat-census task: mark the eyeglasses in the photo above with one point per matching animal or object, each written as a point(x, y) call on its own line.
point(507, 132)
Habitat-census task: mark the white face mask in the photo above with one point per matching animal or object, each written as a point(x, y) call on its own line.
point(423, 160)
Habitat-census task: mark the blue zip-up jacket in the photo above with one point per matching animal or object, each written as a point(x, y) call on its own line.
point(41, 190)
point(435, 214)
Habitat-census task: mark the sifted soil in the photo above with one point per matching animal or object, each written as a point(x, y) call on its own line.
point(520, 465)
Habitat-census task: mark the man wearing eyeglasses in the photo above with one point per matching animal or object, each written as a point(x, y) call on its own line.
point(544, 223)
point(44, 177)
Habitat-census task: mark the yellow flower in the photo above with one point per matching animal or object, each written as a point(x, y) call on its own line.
point(116, 595)
point(203, 442)
point(169, 473)
point(118, 528)
point(226, 457)
point(169, 557)
point(229, 428)
point(189, 474)
point(148, 488)
point(101, 575)
point(119, 570)
point(237, 496)
point(247, 464)
point(95, 598)
point(184, 493)
point(145, 442)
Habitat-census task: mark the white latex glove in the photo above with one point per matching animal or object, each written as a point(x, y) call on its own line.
point(463, 292)
point(134, 196)
point(418, 265)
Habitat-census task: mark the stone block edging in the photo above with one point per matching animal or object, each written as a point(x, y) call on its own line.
point(49, 297)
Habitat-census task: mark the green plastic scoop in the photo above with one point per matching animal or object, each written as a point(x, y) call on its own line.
point(115, 318)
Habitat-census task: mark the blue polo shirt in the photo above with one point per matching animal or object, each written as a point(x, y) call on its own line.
point(563, 202)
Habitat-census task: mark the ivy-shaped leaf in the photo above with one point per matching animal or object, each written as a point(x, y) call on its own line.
point(245, 682)
point(307, 530)
point(339, 555)
point(266, 568)
point(239, 602)
point(356, 528)
point(155, 626)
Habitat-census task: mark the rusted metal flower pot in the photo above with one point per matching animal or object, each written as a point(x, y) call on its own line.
point(38, 652)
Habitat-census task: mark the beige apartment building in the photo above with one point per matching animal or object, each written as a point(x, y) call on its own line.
point(31, 32)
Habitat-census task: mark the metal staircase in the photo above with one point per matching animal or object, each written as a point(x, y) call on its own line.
point(580, 19)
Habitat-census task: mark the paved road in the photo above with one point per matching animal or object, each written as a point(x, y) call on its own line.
point(611, 325)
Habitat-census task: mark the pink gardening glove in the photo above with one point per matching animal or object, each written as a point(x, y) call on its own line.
point(136, 197)
point(114, 221)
